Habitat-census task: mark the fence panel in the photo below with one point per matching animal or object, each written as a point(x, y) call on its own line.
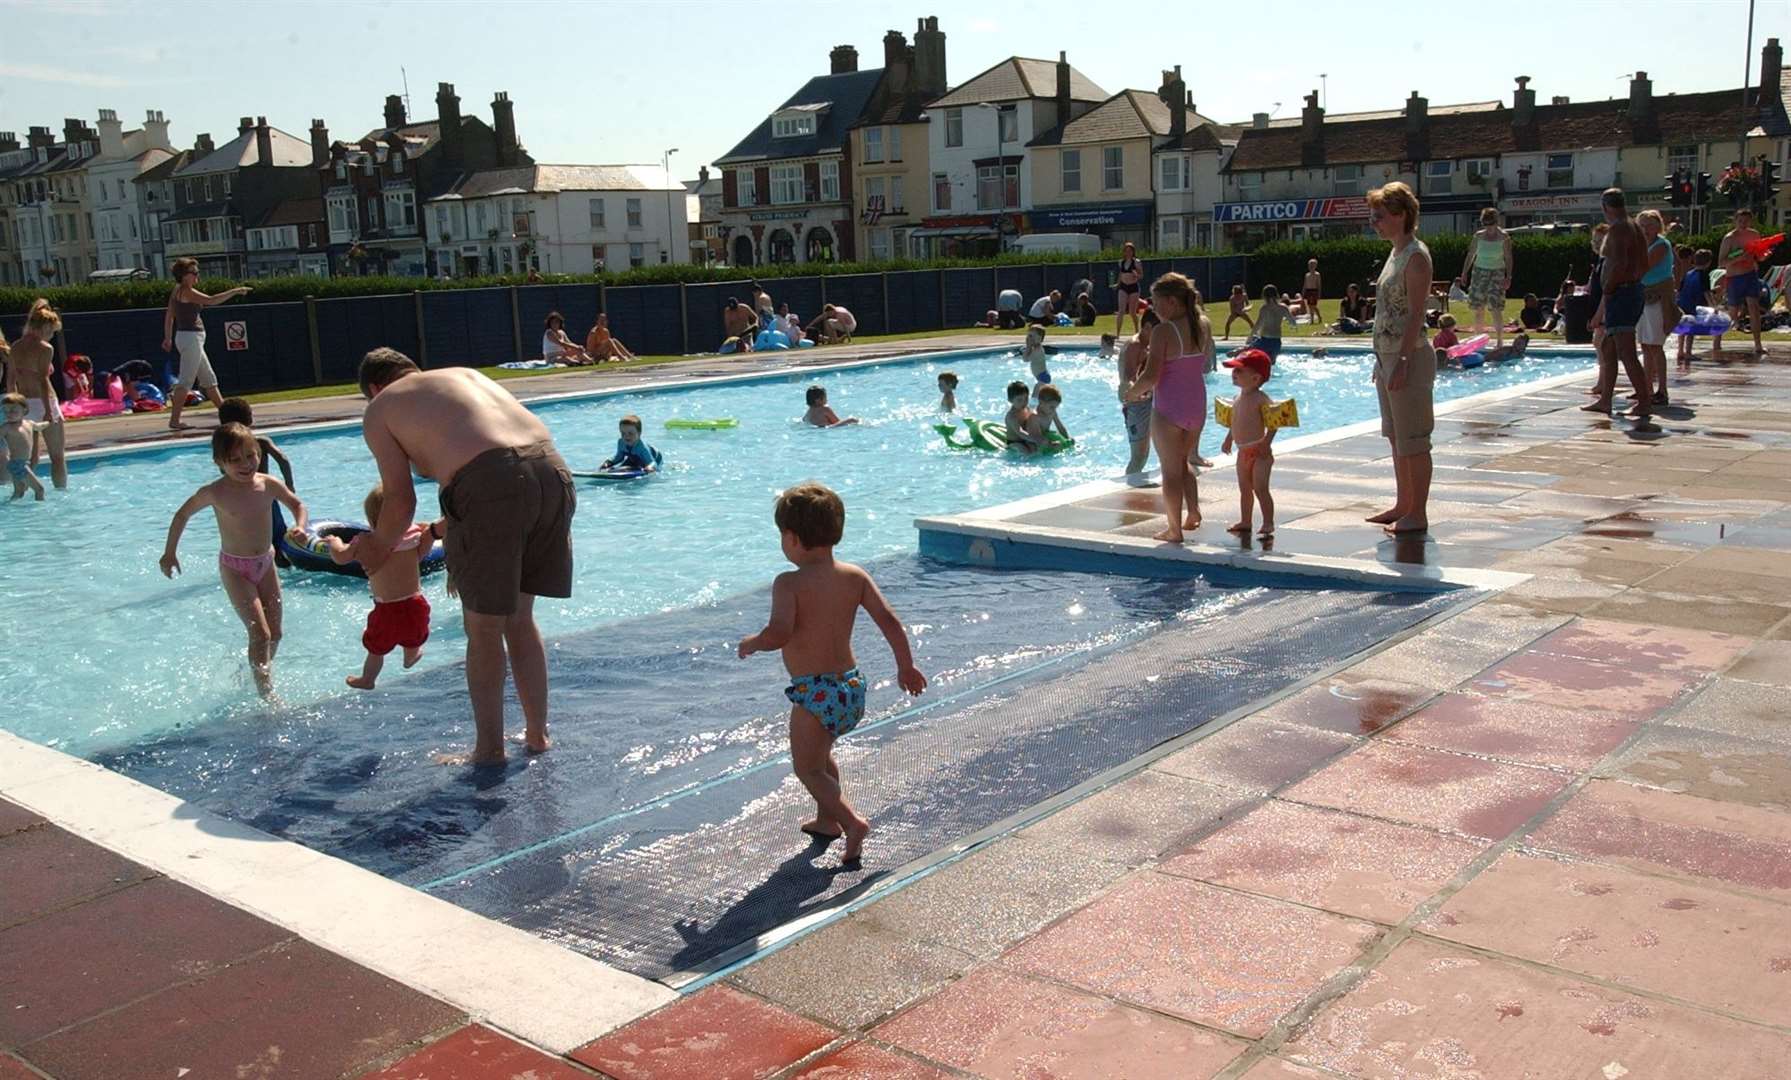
point(347, 329)
point(645, 317)
point(278, 355)
point(468, 327)
point(703, 305)
point(914, 301)
point(1030, 280)
point(1229, 270)
point(969, 295)
point(803, 294)
point(862, 295)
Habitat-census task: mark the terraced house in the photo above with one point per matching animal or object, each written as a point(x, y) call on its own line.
point(787, 186)
point(52, 209)
point(221, 190)
point(889, 143)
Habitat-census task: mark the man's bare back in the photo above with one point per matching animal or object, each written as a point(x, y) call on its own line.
point(445, 418)
point(828, 596)
point(1625, 254)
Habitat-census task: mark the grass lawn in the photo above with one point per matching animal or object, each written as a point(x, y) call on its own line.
point(1303, 330)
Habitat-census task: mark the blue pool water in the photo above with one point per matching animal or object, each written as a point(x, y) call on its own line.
point(99, 651)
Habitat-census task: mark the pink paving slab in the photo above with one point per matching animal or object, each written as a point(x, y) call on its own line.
point(1432, 789)
point(1341, 862)
point(479, 1053)
point(1431, 1011)
point(1007, 1026)
point(1527, 732)
point(715, 1034)
point(1192, 950)
point(1712, 948)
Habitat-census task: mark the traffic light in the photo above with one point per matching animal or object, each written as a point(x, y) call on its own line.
point(1673, 189)
point(1701, 197)
point(1769, 182)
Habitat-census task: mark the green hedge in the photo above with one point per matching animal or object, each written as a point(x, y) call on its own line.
point(154, 294)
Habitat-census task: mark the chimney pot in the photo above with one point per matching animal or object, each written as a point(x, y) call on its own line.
point(1259, 120)
point(842, 60)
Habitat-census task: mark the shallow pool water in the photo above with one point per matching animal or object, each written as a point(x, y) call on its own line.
point(98, 650)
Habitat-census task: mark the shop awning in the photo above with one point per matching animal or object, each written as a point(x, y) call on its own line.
point(974, 231)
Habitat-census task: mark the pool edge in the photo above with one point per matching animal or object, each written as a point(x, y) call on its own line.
point(508, 978)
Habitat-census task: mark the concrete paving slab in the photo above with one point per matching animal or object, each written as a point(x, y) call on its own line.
point(1739, 846)
point(1007, 1026)
point(1195, 951)
point(1526, 732)
point(479, 1053)
point(1257, 754)
point(852, 973)
point(1341, 862)
point(48, 868)
point(1767, 662)
point(1734, 707)
point(1706, 764)
point(1349, 704)
point(863, 1061)
point(1431, 789)
point(1138, 819)
point(1430, 1010)
point(716, 1034)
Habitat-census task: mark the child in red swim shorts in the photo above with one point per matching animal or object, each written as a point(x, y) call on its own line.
point(400, 615)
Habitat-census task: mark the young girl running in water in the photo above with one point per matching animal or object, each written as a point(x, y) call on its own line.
point(242, 498)
point(1174, 377)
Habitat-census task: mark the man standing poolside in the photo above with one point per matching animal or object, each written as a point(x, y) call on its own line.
point(507, 500)
point(1741, 282)
point(1620, 309)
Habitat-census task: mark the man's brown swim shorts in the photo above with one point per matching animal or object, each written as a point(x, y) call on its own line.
point(509, 516)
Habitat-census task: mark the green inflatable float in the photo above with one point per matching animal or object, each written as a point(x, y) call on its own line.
point(986, 435)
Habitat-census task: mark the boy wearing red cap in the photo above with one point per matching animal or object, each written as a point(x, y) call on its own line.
point(1251, 432)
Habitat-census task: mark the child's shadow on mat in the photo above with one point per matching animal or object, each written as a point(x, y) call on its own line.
point(778, 899)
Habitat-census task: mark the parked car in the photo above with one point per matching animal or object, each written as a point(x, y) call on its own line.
point(1067, 243)
point(100, 277)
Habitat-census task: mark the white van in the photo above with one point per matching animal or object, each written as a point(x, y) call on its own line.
point(1061, 242)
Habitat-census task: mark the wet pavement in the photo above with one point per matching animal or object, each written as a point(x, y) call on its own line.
point(1549, 837)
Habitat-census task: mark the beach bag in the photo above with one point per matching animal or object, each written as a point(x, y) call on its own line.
point(1665, 294)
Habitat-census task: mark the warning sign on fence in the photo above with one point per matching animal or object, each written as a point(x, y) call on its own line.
point(236, 336)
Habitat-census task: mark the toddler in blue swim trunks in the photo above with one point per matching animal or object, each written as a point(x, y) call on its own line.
point(813, 608)
point(631, 452)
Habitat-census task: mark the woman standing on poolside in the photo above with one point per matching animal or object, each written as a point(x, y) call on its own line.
point(1405, 367)
point(1487, 274)
point(33, 374)
point(182, 329)
point(1174, 378)
point(1131, 272)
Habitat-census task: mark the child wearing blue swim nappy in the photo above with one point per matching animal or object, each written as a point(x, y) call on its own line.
point(813, 608)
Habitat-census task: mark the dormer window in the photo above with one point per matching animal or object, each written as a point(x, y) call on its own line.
point(796, 121)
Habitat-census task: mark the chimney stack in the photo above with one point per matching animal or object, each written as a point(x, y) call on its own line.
point(1312, 132)
point(9, 140)
point(447, 110)
point(503, 122)
point(1174, 94)
point(40, 137)
point(155, 130)
point(264, 142)
point(928, 74)
point(898, 62)
point(843, 60)
point(1523, 103)
point(1259, 121)
point(394, 111)
point(1641, 104)
point(71, 131)
point(1417, 127)
point(245, 125)
point(1772, 61)
point(202, 144)
point(111, 134)
point(320, 144)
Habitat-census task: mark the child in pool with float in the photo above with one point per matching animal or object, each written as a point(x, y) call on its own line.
point(631, 451)
point(243, 498)
point(813, 608)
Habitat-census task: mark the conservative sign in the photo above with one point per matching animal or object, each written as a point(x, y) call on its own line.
point(1352, 206)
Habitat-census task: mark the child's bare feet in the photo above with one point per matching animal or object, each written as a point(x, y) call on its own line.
point(1239, 527)
point(1172, 536)
point(264, 679)
point(823, 828)
point(360, 682)
point(1411, 523)
point(855, 832)
point(1385, 517)
point(1267, 530)
point(1192, 522)
point(411, 656)
point(537, 743)
point(467, 757)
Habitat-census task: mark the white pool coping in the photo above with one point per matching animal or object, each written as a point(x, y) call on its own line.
point(508, 978)
point(996, 522)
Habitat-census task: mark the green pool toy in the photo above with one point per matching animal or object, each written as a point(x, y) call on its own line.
point(722, 423)
point(986, 435)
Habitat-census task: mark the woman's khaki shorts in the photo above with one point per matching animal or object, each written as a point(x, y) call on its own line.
point(1406, 414)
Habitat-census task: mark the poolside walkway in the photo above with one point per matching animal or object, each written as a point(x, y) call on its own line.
point(1549, 837)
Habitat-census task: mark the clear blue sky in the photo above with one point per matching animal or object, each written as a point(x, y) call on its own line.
point(604, 82)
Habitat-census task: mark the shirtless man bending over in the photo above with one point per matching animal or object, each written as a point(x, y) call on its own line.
point(509, 501)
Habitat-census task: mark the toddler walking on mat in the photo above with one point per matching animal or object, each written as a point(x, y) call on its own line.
point(400, 615)
point(813, 608)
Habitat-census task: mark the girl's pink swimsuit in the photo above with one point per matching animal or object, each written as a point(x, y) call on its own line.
point(1181, 390)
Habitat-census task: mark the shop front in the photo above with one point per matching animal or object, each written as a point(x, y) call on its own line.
point(1454, 213)
point(1114, 223)
point(1247, 225)
point(807, 235)
point(1567, 208)
point(964, 235)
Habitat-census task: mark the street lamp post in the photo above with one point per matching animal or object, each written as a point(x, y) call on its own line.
point(1000, 173)
point(670, 236)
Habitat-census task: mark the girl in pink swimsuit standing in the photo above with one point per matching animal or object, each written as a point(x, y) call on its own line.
point(1174, 377)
